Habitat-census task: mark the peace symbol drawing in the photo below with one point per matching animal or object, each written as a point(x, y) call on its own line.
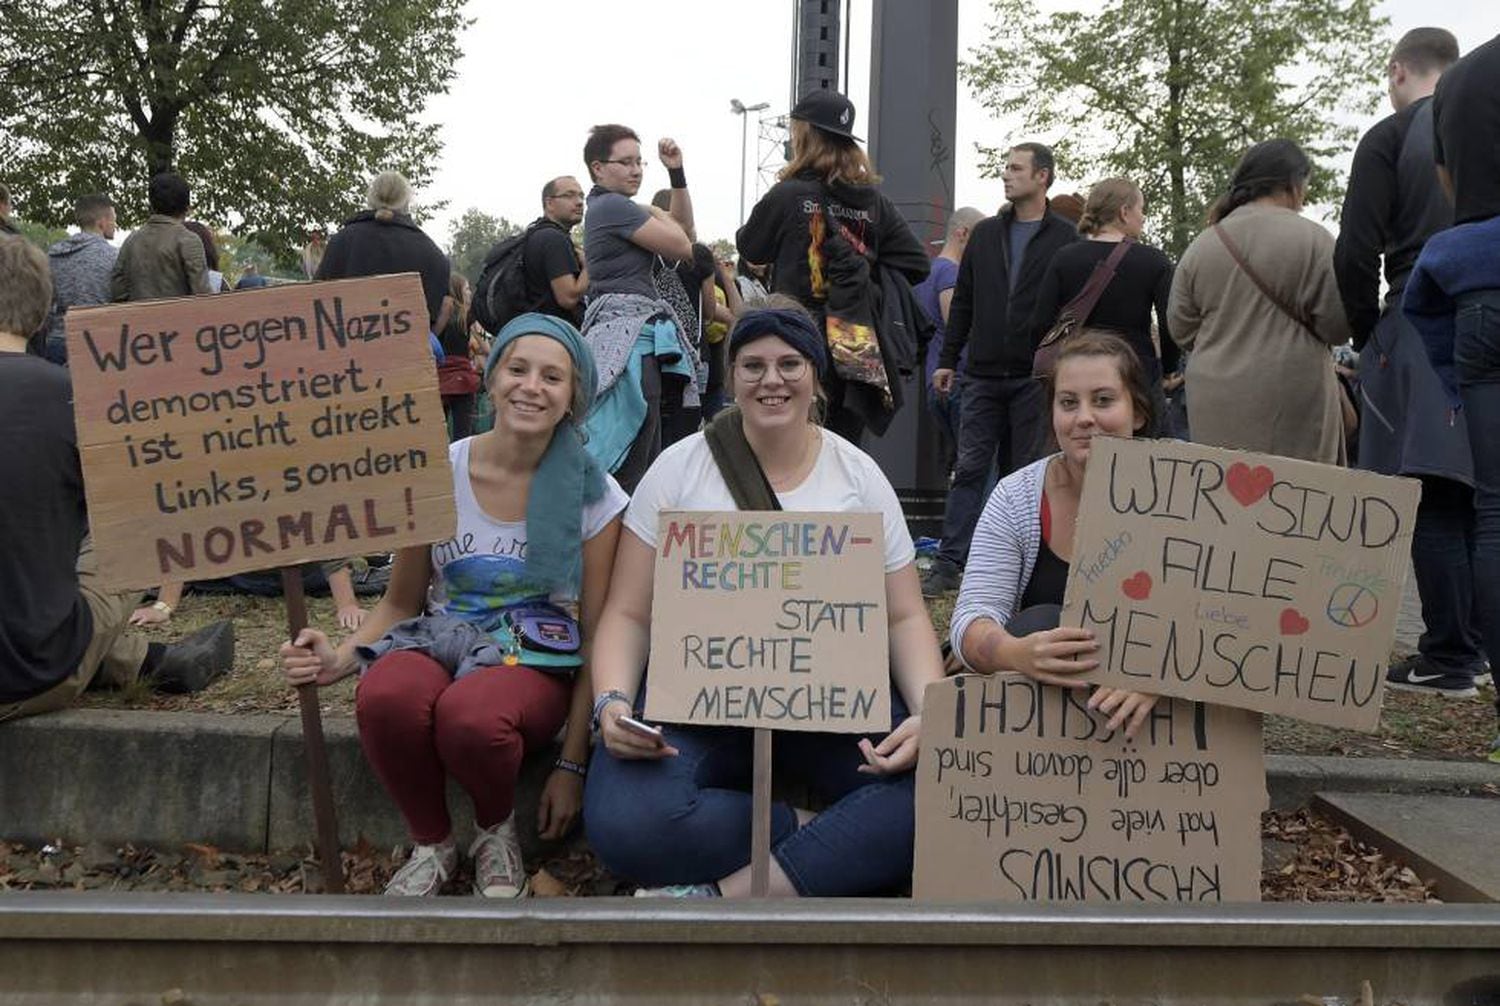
point(1352, 606)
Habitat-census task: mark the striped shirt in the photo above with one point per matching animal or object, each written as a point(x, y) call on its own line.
point(1007, 541)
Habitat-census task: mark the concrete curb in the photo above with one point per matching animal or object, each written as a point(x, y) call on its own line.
point(237, 782)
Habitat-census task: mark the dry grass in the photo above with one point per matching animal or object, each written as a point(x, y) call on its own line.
point(255, 685)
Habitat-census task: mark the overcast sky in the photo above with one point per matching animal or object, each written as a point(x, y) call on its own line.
point(534, 77)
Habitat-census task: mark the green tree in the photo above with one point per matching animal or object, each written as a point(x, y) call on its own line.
point(276, 111)
point(472, 237)
point(39, 234)
point(1171, 92)
point(724, 250)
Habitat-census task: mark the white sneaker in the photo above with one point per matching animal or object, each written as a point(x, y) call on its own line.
point(498, 870)
point(425, 871)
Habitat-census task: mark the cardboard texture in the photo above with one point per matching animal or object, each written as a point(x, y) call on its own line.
point(247, 430)
point(770, 619)
point(1022, 795)
point(1242, 579)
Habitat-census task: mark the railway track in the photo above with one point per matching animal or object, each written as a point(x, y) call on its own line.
point(197, 950)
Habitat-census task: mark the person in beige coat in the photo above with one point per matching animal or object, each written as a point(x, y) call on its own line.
point(1260, 329)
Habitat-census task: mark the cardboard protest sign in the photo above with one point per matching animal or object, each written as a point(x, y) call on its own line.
point(1244, 579)
point(770, 619)
point(247, 430)
point(1023, 795)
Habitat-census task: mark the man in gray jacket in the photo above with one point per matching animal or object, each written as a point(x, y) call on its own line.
point(81, 265)
point(161, 258)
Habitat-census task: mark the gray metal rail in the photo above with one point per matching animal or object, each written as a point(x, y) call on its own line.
point(197, 950)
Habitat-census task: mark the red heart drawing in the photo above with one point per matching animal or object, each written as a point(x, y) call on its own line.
point(1248, 484)
point(1138, 587)
point(1292, 622)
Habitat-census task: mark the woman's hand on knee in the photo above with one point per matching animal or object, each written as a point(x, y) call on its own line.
point(895, 754)
point(1053, 655)
point(561, 802)
point(1126, 710)
point(309, 659)
point(627, 744)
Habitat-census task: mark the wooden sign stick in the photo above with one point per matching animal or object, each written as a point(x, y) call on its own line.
point(760, 819)
point(312, 741)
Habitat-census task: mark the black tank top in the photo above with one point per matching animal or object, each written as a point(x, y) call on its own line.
point(1049, 577)
point(1049, 580)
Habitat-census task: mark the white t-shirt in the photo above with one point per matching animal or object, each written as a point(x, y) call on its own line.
point(844, 479)
point(482, 569)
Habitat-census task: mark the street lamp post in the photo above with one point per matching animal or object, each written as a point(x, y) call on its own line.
point(743, 111)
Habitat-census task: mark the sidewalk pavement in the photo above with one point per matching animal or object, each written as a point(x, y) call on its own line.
point(238, 782)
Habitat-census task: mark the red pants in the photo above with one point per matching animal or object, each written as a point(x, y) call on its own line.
point(417, 724)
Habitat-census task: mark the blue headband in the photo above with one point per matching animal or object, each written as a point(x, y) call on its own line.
point(567, 478)
point(794, 328)
point(535, 323)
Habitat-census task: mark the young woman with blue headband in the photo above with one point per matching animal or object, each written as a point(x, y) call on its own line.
point(493, 665)
point(674, 815)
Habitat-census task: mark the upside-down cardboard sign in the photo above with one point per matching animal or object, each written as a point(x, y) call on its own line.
point(1023, 794)
point(1243, 579)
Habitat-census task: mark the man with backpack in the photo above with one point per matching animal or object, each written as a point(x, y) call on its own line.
point(540, 269)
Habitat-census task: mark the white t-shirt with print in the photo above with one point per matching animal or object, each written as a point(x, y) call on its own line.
point(844, 479)
point(482, 569)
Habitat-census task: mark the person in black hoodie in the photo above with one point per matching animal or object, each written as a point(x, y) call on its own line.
point(1004, 408)
point(384, 239)
point(789, 230)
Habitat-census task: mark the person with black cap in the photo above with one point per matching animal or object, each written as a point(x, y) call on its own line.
point(825, 228)
point(667, 813)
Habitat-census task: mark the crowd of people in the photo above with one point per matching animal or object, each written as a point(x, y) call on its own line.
point(636, 374)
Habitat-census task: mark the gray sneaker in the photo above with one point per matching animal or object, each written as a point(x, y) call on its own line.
point(498, 870)
point(942, 577)
point(425, 871)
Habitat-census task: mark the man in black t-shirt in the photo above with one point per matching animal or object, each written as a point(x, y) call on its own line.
point(556, 276)
point(60, 631)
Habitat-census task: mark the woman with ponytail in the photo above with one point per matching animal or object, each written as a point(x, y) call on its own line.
point(1256, 302)
point(1114, 212)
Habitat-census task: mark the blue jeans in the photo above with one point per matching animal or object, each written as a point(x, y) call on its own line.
point(686, 820)
point(1004, 421)
point(56, 350)
point(946, 410)
point(1476, 358)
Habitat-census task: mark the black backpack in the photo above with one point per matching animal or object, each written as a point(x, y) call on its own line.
point(501, 293)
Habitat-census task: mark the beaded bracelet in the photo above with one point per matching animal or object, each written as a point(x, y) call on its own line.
point(613, 695)
point(578, 769)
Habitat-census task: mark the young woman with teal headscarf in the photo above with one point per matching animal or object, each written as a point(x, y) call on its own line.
point(467, 681)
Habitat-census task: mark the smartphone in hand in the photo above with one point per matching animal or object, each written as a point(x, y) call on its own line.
point(640, 729)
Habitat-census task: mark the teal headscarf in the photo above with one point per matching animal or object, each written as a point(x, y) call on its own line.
point(567, 479)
